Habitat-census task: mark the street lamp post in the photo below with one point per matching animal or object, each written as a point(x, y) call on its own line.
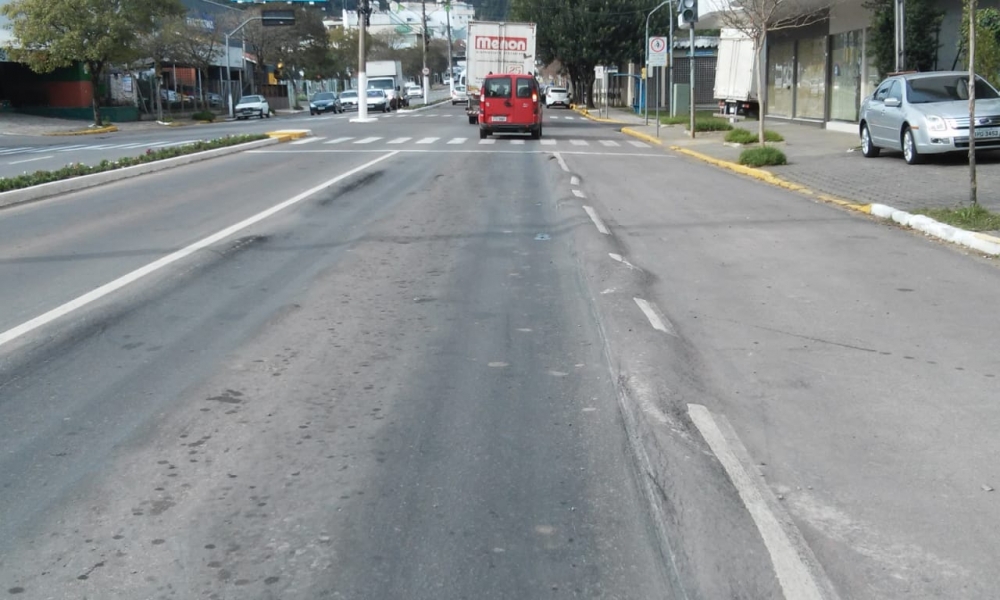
point(363, 12)
point(423, 45)
point(645, 53)
point(229, 74)
point(451, 66)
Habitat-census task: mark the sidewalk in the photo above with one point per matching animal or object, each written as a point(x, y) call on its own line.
point(21, 124)
point(831, 162)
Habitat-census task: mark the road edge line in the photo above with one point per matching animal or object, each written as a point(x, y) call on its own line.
point(586, 113)
point(116, 284)
point(798, 571)
point(83, 182)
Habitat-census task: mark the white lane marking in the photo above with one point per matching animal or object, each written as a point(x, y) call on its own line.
point(28, 160)
point(578, 194)
point(368, 140)
point(183, 143)
point(517, 142)
point(488, 141)
point(658, 322)
point(15, 150)
point(574, 180)
point(561, 161)
point(568, 118)
point(597, 220)
point(788, 549)
point(410, 150)
point(548, 142)
point(638, 144)
point(579, 142)
point(622, 260)
point(553, 117)
point(428, 140)
point(339, 140)
point(73, 148)
point(458, 140)
point(113, 286)
point(401, 140)
point(609, 143)
point(52, 149)
point(100, 146)
point(308, 140)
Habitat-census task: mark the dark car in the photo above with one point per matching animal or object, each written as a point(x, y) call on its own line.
point(325, 102)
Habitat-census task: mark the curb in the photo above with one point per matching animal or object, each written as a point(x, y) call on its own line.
point(584, 112)
point(987, 244)
point(285, 135)
point(75, 184)
point(642, 136)
point(95, 131)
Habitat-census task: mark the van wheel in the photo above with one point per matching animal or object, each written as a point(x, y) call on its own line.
point(536, 133)
point(483, 133)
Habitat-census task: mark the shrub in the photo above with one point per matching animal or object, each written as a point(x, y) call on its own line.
point(745, 136)
point(203, 115)
point(763, 157)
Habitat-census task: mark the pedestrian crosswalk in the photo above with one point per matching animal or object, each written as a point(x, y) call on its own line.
point(61, 148)
point(460, 141)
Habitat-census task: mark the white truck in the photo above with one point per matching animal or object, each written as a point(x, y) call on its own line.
point(494, 47)
point(387, 75)
point(736, 75)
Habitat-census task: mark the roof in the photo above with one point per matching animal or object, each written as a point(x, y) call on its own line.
point(699, 42)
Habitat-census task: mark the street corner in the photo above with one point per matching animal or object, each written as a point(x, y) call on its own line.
point(287, 135)
point(92, 131)
point(644, 137)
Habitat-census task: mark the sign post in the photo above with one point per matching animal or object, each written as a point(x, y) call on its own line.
point(658, 58)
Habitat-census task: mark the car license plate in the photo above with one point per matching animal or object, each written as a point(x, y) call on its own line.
point(504, 120)
point(992, 132)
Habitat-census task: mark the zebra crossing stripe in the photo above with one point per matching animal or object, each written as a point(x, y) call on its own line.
point(579, 142)
point(368, 140)
point(400, 140)
point(428, 140)
point(609, 143)
point(308, 140)
point(338, 140)
point(638, 144)
point(517, 142)
point(488, 141)
point(548, 142)
point(458, 141)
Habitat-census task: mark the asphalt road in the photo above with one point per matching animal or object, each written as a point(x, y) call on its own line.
point(394, 361)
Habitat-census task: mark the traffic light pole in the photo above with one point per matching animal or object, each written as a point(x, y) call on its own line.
point(691, 78)
point(645, 53)
point(229, 73)
point(363, 11)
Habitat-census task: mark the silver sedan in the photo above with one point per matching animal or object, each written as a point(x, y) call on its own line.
point(928, 113)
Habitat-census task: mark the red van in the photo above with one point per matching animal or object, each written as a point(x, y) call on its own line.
point(510, 103)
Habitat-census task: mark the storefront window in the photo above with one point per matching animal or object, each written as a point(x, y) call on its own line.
point(845, 60)
point(780, 72)
point(810, 93)
point(874, 77)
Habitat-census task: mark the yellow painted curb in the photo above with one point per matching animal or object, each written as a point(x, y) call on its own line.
point(286, 135)
point(586, 113)
point(642, 136)
point(96, 130)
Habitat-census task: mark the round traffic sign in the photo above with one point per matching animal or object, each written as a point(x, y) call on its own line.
point(426, 71)
point(657, 44)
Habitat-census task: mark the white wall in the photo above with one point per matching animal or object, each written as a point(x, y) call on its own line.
point(849, 15)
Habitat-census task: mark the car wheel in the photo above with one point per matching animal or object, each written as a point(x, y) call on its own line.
point(910, 148)
point(536, 132)
point(868, 149)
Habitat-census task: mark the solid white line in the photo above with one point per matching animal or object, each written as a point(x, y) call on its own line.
point(339, 140)
point(657, 155)
point(72, 148)
point(458, 141)
point(368, 140)
point(548, 142)
point(654, 317)
point(574, 180)
point(428, 140)
point(597, 220)
point(399, 140)
point(578, 194)
point(638, 144)
point(18, 162)
point(307, 140)
point(561, 161)
point(488, 141)
point(108, 288)
point(609, 143)
point(15, 150)
point(579, 142)
point(788, 550)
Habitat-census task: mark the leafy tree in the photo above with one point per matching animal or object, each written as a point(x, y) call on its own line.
point(757, 18)
point(987, 43)
point(198, 46)
point(922, 21)
point(158, 45)
point(51, 34)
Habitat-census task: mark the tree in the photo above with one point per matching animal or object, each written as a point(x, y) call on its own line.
point(987, 43)
point(757, 18)
point(158, 45)
point(922, 21)
point(971, 25)
point(50, 34)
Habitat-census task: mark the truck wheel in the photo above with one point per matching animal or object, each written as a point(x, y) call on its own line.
point(483, 133)
point(473, 120)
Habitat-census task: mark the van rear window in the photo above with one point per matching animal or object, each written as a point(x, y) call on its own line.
point(498, 87)
point(523, 88)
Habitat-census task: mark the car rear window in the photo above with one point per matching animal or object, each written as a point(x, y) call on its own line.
point(557, 90)
point(324, 96)
point(498, 87)
point(945, 89)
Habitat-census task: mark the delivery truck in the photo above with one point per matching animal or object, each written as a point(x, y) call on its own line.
point(387, 75)
point(736, 75)
point(494, 47)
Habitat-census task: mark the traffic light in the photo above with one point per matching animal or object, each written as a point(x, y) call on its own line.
point(687, 12)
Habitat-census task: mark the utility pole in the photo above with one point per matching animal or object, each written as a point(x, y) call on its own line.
point(423, 29)
point(973, 187)
point(451, 65)
point(364, 12)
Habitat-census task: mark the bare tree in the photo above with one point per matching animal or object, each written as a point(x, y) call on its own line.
point(158, 46)
point(199, 45)
point(757, 18)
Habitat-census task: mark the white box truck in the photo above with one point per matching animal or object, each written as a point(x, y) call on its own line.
point(387, 75)
point(494, 47)
point(736, 75)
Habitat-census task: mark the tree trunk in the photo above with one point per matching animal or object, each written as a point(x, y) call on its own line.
point(973, 187)
point(156, 90)
point(759, 44)
point(95, 80)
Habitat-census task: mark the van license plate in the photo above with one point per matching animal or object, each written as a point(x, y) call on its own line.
point(504, 120)
point(992, 132)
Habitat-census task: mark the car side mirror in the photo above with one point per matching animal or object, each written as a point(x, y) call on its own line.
point(893, 102)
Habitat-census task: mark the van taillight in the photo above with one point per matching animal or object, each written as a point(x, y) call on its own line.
point(534, 96)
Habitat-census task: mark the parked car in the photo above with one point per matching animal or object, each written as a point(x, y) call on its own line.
point(325, 102)
point(213, 99)
point(510, 104)
point(252, 105)
point(414, 91)
point(555, 96)
point(377, 100)
point(349, 99)
point(169, 95)
point(459, 95)
point(928, 113)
